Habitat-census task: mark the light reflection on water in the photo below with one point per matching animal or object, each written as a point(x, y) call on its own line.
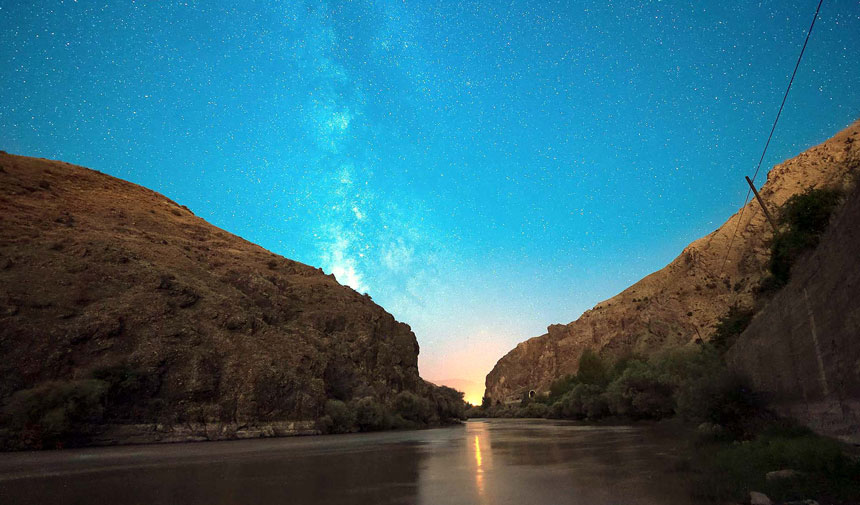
point(479, 470)
point(486, 462)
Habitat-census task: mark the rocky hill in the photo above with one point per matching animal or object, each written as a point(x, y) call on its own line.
point(681, 302)
point(113, 290)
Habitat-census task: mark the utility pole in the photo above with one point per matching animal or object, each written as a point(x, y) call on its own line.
point(761, 202)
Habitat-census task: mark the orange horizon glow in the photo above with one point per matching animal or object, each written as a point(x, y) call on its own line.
point(464, 366)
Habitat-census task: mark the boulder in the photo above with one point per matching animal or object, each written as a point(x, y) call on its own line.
point(757, 498)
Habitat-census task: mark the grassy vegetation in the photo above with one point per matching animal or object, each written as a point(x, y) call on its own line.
point(725, 469)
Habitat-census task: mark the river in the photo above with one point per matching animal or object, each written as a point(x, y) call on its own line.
point(497, 462)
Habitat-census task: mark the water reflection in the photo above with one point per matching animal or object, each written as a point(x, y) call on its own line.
point(479, 460)
point(498, 462)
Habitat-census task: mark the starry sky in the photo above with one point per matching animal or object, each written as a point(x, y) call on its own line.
point(481, 169)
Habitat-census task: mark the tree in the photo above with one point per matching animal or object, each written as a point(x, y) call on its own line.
point(592, 369)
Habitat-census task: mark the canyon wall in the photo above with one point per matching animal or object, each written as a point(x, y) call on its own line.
point(682, 302)
point(106, 284)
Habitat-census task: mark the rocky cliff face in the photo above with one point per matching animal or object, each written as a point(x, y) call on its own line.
point(186, 323)
point(681, 302)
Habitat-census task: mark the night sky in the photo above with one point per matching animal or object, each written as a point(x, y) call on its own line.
point(481, 169)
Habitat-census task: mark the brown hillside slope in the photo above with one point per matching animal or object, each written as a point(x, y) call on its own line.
point(683, 301)
point(101, 275)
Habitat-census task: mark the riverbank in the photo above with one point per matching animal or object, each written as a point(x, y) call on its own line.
point(32, 425)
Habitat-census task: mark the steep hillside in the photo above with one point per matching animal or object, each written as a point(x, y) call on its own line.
point(681, 302)
point(190, 328)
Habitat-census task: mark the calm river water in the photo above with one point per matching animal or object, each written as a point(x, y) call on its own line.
point(482, 462)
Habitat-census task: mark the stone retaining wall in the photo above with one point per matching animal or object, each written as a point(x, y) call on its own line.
point(803, 349)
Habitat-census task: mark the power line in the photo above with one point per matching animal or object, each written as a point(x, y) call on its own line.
point(769, 137)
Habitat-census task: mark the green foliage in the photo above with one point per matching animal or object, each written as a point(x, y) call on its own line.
point(341, 418)
point(803, 219)
point(534, 410)
point(769, 286)
point(641, 392)
point(447, 403)
point(809, 212)
point(56, 413)
point(592, 369)
point(370, 415)
point(561, 386)
point(585, 401)
point(412, 407)
point(691, 382)
point(486, 402)
point(717, 396)
point(408, 410)
point(730, 326)
point(731, 470)
point(476, 411)
point(621, 364)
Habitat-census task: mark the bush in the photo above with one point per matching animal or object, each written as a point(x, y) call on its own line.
point(56, 413)
point(447, 403)
point(369, 414)
point(475, 412)
point(595, 406)
point(412, 407)
point(486, 402)
point(803, 218)
point(342, 417)
point(561, 386)
point(584, 400)
point(724, 399)
point(621, 364)
point(641, 392)
point(730, 326)
point(592, 369)
point(533, 410)
point(556, 410)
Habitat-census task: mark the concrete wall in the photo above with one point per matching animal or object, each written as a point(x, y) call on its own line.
point(803, 349)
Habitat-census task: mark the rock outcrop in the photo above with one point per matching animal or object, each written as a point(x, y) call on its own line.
point(186, 324)
point(681, 302)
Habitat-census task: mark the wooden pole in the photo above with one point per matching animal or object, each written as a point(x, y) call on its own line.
point(761, 202)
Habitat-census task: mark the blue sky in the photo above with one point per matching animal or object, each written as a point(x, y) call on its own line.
point(482, 169)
